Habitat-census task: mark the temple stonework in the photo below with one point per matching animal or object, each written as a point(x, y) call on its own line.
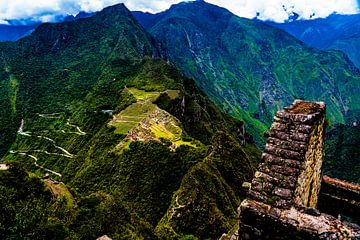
point(284, 195)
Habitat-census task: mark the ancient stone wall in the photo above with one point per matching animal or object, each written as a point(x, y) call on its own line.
point(290, 172)
point(285, 191)
point(340, 198)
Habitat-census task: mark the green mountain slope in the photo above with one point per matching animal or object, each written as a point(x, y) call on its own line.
point(250, 69)
point(121, 135)
point(338, 32)
point(59, 63)
point(342, 153)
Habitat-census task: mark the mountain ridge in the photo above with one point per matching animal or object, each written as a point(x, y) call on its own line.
point(338, 32)
point(117, 134)
point(250, 69)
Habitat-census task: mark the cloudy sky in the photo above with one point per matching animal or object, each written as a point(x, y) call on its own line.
point(275, 10)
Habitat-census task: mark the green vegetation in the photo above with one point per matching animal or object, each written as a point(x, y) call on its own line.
point(338, 32)
point(134, 149)
point(73, 80)
point(342, 159)
point(143, 120)
point(251, 70)
point(131, 116)
point(27, 208)
point(14, 88)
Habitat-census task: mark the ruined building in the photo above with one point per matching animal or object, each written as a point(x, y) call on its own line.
point(288, 197)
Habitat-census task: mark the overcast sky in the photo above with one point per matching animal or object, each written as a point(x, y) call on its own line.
point(275, 10)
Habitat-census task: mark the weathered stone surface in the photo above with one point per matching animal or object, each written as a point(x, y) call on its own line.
point(265, 177)
point(105, 237)
point(283, 204)
point(288, 182)
point(312, 211)
point(284, 193)
point(258, 196)
point(340, 197)
point(300, 137)
point(287, 154)
point(285, 126)
point(281, 161)
point(298, 118)
point(284, 170)
point(256, 185)
point(309, 180)
point(288, 145)
point(270, 223)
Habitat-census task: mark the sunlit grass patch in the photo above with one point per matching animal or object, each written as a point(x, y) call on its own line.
point(148, 122)
point(143, 95)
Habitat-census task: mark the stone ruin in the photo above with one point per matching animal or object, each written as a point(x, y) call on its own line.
point(288, 197)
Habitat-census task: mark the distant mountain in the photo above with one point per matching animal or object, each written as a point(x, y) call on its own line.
point(338, 32)
point(251, 69)
point(133, 149)
point(80, 15)
point(14, 31)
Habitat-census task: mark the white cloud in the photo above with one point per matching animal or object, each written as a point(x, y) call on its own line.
point(279, 10)
point(45, 10)
point(276, 10)
point(3, 22)
point(150, 5)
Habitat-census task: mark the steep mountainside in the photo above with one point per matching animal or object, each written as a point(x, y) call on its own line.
point(60, 62)
point(133, 149)
point(250, 69)
point(343, 153)
point(339, 32)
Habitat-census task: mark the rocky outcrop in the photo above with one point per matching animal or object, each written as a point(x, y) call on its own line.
point(284, 194)
point(105, 237)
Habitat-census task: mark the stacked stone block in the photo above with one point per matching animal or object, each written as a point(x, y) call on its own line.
point(290, 172)
point(283, 195)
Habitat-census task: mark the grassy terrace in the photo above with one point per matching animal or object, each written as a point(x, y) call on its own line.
point(149, 121)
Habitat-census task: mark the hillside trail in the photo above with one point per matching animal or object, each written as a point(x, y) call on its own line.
point(25, 153)
point(65, 152)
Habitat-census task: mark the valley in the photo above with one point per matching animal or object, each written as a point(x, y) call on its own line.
point(251, 70)
point(146, 126)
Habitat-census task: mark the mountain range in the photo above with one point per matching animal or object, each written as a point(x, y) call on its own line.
point(338, 32)
point(132, 148)
point(252, 70)
point(145, 126)
point(16, 29)
point(15, 32)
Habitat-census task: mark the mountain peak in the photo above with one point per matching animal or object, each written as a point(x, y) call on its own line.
point(118, 9)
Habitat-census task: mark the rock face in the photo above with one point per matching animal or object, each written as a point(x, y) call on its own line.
point(285, 191)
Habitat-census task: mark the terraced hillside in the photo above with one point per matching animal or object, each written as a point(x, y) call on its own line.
point(251, 70)
point(103, 138)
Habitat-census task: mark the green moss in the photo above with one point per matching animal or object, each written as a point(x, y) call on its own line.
point(272, 199)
